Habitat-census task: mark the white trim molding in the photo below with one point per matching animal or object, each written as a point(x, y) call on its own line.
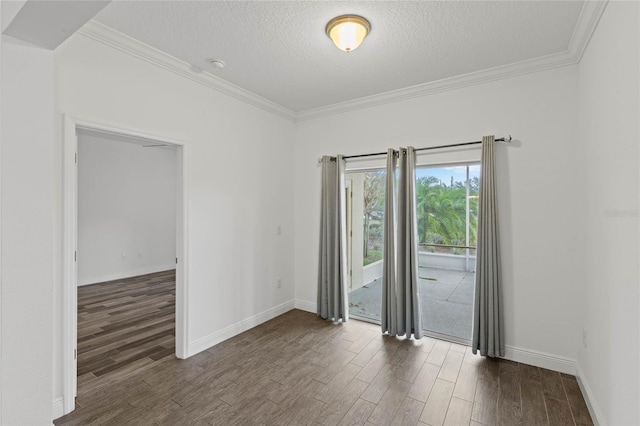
point(122, 42)
point(69, 236)
point(305, 305)
point(589, 398)
point(543, 63)
point(58, 408)
point(228, 332)
point(585, 27)
point(69, 270)
point(512, 353)
point(541, 359)
point(583, 30)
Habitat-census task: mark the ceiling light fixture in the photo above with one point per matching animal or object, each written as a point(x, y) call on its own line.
point(348, 31)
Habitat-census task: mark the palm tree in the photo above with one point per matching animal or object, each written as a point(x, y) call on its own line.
point(441, 212)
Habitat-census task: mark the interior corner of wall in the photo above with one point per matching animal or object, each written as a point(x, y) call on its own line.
point(589, 397)
point(305, 305)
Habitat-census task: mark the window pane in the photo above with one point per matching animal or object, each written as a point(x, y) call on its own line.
point(365, 218)
point(447, 206)
point(441, 208)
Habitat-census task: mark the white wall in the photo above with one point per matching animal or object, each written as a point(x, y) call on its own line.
point(609, 88)
point(27, 235)
point(539, 179)
point(239, 190)
point(239, 182)
point(126, 205)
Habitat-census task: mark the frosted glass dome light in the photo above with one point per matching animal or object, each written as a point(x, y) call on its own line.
point(348, 31)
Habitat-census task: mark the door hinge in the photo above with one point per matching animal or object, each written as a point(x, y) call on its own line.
point(75, 256)
point(76, 158)
point(75, 353)
point(176, 260)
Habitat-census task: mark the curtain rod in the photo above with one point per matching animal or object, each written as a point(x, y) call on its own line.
point(505, 139)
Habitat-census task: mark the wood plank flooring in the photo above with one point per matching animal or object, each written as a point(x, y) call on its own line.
point(300, 370)
point(124, 324)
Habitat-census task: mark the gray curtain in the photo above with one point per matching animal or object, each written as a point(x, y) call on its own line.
point(332, 270)
point(389, 315)
point(400, 273)
point(409, 306)
point(488, 323)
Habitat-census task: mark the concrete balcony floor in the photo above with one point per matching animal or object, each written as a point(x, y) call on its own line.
point(447, 301)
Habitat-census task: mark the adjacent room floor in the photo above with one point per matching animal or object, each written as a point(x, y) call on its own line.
point(123, 325)
point(298, 369)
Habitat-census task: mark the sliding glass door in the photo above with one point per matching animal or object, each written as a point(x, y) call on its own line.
point(447, 212)
point(365, 215)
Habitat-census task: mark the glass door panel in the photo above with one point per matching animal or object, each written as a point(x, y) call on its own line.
point(365, 215)
point(447, 211)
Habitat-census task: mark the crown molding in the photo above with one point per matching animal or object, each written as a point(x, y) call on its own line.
point(117, 40)
point(585, 27)
point(477, 77)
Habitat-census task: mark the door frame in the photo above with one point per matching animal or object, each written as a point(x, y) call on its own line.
point(348, 218)
point(70, 237)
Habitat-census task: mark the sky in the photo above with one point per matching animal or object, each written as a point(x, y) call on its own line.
point(444, 173)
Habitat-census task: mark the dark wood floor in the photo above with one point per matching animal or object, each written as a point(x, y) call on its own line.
point(297, 369)
point(125, 324)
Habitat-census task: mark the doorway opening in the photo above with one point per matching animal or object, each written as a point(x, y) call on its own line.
point(124, 286)
point(126, 255)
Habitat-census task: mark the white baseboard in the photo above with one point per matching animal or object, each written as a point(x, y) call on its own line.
point(541, 359)
point(58, 408)
point(305, 305)
point(538, 359)
point(589, 398)
point(125, 274)
point(237, 328)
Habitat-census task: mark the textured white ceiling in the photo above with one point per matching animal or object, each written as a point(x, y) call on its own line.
point(279, 50)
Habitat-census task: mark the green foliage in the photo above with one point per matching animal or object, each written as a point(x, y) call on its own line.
point(373, 210)
point(374, 256)
point(441, 211)
point(374, 193)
